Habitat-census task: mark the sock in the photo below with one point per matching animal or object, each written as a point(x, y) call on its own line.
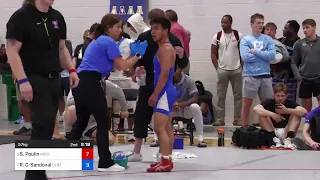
point(27, 125)
point(290, 134)
point(200, 137)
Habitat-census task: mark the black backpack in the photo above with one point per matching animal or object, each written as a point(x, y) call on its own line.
point(200, 88)
point(250, 137)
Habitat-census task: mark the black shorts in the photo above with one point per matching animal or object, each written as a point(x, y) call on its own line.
point(65, 86)
point(309, 88)
point(143, 113)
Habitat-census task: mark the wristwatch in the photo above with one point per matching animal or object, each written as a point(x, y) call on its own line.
point(139, 55)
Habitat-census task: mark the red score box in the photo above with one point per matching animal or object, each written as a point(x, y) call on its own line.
point(87, 153)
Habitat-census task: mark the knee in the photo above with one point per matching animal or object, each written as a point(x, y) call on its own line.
point(295, 118)
point(70, 115)
point(195, 107)
point(262, 119)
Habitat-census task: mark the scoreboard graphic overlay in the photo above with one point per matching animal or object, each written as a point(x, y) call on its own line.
point(54, 155)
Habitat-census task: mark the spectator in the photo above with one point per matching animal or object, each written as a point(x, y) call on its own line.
point(305, 64)
point(186, 105)
point(181, 33)
point(226, 59)
point(78, 50)
point(280, 116)
point(257, 50)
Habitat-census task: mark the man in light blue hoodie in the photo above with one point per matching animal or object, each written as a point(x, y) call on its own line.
point(256, 50)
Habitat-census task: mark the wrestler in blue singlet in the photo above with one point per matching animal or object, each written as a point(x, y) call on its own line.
point(168, 94)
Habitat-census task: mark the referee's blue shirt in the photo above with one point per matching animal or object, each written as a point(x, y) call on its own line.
point(100, 55)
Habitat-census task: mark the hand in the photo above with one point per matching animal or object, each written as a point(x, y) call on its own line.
point(277, 117)
point(315, 145)
point(26, 91)
point(138, 47)
point(128, 73)
point(138, 72)
point(124, 114)
point(153, 100)
point(179, 51)
point(176, 107)
point(252, 51)
point(281, 109)
point(74, 80)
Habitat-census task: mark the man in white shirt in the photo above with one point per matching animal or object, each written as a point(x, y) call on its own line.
point(226, 59)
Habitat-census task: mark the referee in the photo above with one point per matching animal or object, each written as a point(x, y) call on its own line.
point(36, 35)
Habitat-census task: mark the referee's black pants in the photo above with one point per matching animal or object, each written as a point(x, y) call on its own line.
point(43, 110)
point(90, 99)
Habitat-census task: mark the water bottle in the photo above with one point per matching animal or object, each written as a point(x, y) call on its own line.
point(141, 80)
point(220, 137)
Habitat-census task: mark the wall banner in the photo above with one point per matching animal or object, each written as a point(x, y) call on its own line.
point(126, 8)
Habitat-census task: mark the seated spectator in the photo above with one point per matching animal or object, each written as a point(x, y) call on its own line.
point(311, 132)
point(280, 116)
point(186, 105)
point(70, 116)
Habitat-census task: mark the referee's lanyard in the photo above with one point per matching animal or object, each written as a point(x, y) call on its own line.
point(47, 31)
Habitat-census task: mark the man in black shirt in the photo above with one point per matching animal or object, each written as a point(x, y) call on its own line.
point(144, 112)
point(280, 116)
point(290, 36)
point(36, 35)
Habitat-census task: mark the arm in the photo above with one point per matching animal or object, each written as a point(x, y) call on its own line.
point(261, 111)
point(298, 111)
point(177, 33)
point(123, 65)
point(214, 52)
point(15, 37)
point(193, 93)
point(117, 93)
point(64, 55)
point(245, 53)
point(184, 61)
point(296, 60)
point(268, 54)
point(306, 134)
point(165, 60)
point(13, 48)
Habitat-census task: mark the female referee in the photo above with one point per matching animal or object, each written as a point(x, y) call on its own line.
point(101, 56)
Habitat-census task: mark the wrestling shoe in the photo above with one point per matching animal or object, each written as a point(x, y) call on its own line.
point(166, 165)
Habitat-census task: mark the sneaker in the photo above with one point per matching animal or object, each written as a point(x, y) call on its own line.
point(202, 144)
point(114, 168)
point(277, 142)
point(130, 138)
point(280, 133)
point(134, 157)
point(288, 144)
point(23, 131)
point(155, 143)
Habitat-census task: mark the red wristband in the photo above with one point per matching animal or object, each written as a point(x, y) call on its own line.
point(72, 70)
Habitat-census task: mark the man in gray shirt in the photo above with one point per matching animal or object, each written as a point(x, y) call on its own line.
point(186, 105)
point(305, 64)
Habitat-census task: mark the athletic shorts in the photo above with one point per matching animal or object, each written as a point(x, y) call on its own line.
point(166, 99)
point(65, 86)
point(253, 86)
point(309, 88)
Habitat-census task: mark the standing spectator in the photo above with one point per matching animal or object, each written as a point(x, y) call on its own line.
point(290, 37)
point(34, 60)
point(305, 64)
point(257, 50)
point(181, 33)
point(226, 59)
point(78, 50)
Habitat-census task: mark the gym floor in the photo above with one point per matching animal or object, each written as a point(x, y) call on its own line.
point(212, 163)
